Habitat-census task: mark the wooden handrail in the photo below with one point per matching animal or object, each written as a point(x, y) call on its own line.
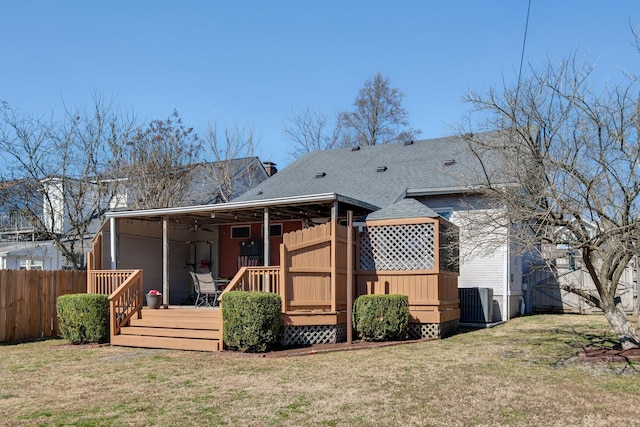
point(105, 282)
point(125, 301)
point(254, 279)
point(236, 282)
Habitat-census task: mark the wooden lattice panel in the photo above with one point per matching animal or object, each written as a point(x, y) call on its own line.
point(316, 334)
point(398, 247)
point(432, 330)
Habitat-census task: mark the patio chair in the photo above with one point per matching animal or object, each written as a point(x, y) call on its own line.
point(206, 289)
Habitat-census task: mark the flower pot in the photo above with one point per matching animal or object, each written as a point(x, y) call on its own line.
point(154, 301)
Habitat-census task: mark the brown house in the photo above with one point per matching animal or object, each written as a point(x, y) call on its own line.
point(294, 235)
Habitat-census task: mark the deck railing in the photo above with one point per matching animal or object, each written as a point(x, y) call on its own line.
point(125, 301)
point(255, 279)
point(105, 282)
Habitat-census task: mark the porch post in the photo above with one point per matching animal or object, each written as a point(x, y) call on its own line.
point(112, 242)
point(349, 276)
point(266, 248)
point(165, 261)
point(334, 256)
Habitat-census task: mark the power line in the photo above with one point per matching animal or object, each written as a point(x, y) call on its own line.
point(524, 43)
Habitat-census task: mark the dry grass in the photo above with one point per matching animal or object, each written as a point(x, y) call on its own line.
point(522, 373)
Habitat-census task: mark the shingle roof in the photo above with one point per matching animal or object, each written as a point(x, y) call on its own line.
point(378, 175)
point(405, 208)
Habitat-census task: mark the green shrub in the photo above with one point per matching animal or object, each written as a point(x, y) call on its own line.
point(251, 320)
point(381, 317)
point(84, 318)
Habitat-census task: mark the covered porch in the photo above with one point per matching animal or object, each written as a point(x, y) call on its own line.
point(316, 267)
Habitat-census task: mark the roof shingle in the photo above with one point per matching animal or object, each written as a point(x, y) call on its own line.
point(378, 175)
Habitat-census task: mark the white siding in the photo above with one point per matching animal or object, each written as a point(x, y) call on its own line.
point(481, 264)
point(53, 206)
point(12, 253)
point(485, 272)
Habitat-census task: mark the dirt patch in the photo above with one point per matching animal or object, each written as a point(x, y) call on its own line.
point(325, 348)
point(615, 354)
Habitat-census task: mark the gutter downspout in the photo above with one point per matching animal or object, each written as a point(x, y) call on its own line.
point(507, 274)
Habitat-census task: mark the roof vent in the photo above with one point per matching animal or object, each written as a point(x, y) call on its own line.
point(410, 142)
point(381, 169)
point(321, 174)
point(356, 148)
point(449, 162)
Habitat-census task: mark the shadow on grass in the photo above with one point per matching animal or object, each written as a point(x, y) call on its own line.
point(31, 340)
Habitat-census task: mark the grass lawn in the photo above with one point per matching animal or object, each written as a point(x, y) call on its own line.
point(522, 373)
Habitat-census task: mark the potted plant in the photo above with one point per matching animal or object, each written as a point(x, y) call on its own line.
point(154, 299)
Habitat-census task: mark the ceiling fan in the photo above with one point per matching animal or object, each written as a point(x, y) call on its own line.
point(195, 227)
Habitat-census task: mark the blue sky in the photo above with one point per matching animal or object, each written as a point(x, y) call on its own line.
point(255, 62)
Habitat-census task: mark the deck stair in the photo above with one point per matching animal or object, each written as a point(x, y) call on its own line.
point(180, 328)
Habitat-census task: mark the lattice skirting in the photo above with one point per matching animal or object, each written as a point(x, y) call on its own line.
point(432, 330)
point(317, 334)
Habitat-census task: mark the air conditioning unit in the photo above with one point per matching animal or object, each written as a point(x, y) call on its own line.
point(476, 305)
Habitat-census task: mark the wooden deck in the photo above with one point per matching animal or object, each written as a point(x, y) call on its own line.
point(176, 327)
point(312, 281)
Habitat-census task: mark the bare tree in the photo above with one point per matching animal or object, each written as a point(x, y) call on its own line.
point(57, 170)
point(231, 166)
point(155, 162)
point(309, 130)
point(379, 116)
point(564, 169)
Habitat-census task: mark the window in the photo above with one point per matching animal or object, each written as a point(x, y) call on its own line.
point(31, 264)
point(445, 213)
point(118, 201)
point(275, 230)
point(241, 232)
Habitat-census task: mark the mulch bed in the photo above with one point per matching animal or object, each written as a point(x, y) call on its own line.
point(614, 354)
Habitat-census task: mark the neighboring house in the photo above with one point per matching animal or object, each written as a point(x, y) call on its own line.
point(31, 212)
point(437, 173)
point(31, 255)
point(221, 182)
point(24, 245)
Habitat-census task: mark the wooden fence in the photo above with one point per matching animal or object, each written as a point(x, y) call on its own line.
point(548, 296)
point(28, 301)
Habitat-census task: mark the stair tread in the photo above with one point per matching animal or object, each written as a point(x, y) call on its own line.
point(170, 332)
point(212, 324)
point(166, 342)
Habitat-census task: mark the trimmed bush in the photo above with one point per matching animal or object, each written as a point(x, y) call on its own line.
point(251, 320)
point(381, 317)
point(84, 318)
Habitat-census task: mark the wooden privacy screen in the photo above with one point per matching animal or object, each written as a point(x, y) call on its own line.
point(311, 281)
point(404, 257)
point(28, 301)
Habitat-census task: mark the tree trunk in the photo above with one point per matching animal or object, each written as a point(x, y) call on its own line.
point(622, 326)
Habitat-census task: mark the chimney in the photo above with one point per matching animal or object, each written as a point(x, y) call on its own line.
point(270, 167)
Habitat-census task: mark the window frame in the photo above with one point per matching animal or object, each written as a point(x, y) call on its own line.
point(239, 227)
